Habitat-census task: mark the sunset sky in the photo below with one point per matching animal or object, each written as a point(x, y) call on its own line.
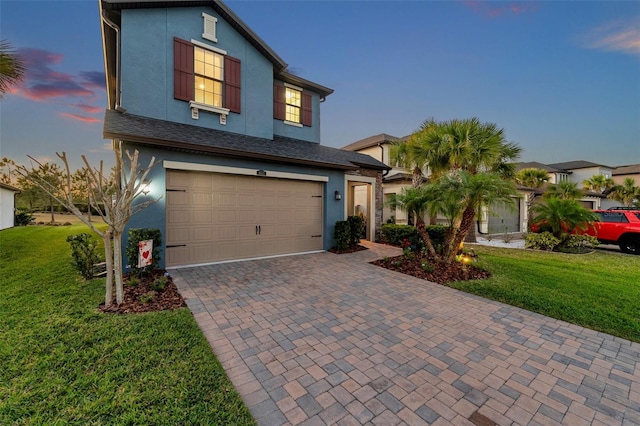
point(562, 78)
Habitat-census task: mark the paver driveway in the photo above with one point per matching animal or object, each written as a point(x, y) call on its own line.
point(324, 339)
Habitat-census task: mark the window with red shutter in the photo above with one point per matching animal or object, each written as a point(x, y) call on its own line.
point(232, 84)
point(306, 110)
point(182, 69)
point(279, 105)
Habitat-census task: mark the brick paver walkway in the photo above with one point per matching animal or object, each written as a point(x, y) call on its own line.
point(325, 339)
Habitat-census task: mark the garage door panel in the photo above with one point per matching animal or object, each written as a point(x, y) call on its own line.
point(217, 214)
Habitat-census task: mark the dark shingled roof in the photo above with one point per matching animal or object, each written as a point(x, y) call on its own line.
point(536, 165)
point(167, 134)
point(372, 141)
point(631, 169)
point(580, 164)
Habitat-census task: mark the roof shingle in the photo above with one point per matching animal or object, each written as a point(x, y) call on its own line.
point(167, 134)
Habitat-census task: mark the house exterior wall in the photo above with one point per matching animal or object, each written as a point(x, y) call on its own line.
point(619, 179)
point(154, 216)
point(148, 67)
point(580, 175)
point(7, 205)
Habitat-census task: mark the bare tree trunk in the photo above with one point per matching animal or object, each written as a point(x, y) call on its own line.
point(117, 263)
point(108, 253)
point(471, 235)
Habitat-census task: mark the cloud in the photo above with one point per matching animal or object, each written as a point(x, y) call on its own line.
point(89, 109)
point(494, 9)
point(43, 83)
point(81, 117)
point(615, 36)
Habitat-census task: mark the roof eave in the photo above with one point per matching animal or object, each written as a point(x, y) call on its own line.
point(221, 151)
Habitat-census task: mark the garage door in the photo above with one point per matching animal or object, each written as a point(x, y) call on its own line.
point(504, 219)
point(214, 217)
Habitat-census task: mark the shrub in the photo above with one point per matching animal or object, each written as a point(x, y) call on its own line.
point(581, 241)
point(342, 234)
point(396, 234)
point(541, 241)
point(141, 234)
point(147, 297)
point(23, 218)
point(356, 223)
point(83, 253)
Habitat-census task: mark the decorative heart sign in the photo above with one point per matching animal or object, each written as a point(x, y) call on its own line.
point(144, 253)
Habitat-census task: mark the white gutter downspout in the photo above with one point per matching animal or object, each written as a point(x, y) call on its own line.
point(107, 21)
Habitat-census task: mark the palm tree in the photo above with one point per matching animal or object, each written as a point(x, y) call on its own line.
point(12, 67)
point(467, 145)
point(564, 190)
point(409, 155)
point(563, 215)
point(598, 183)
point(532, 177)
point(628, 193)
point(415, 200)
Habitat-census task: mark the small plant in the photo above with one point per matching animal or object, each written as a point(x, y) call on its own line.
point(507, 237)
point(427, 267)
point(147, 297)
point(159, 283)
point(133, 281)
point(83, 254)
point(23, 218)
point(406, 248)
point(542, 241)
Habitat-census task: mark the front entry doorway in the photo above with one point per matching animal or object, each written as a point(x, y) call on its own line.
point(360, 202)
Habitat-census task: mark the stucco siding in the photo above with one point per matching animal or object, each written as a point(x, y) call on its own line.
point(154, 215)
point(147, 70)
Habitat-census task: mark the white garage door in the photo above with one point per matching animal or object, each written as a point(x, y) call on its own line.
point(214, 217)
point(505, 218)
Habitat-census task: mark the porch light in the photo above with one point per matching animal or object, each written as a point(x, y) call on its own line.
point(338, 195)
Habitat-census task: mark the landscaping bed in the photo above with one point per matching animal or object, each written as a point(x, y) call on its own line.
point(421, 266)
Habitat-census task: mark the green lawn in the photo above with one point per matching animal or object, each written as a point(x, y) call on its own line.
point(599, 290)
point(62, 361)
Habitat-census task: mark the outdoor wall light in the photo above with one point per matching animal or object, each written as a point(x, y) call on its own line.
point(338, 195)
point(146, 187)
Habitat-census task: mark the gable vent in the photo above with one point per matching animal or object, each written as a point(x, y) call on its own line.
point(209, 28)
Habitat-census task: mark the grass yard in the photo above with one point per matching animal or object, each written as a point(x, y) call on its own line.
point(65, 362)
point(599, 290)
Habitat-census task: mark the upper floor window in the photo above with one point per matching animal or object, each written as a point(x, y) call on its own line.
point(563, 177)
point(292, 105)
point(209, 72)
point(207, 78)
point(293, 99)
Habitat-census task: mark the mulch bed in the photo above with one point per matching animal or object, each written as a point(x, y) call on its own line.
point(135, 296)
point(353, 249)
point(441, 273)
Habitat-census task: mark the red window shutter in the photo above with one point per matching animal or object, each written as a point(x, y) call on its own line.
point(182, 70)
point(306, 118)
point(279, 106)
point(232, 97)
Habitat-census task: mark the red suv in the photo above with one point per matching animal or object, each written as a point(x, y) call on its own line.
point(619, 226)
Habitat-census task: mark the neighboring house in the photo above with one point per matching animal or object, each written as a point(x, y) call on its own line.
point(497, 219)
point(378, 147)
point(242, 173)
point(7, 205)
point(577, 172)
point(631, 171)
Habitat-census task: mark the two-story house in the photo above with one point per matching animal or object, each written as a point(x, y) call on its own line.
point(242, 173)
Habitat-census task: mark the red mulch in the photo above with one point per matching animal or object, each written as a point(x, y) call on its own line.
point(163, 300)
point(349, 250)
point(441, 273)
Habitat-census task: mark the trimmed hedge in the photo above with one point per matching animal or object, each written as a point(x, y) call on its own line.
point(142, 234)
point(395, 234)
point(357, 229)
point(342, 234)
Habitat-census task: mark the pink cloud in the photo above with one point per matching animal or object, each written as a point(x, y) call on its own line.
point(81, 117)
point(615, 36)
point(494, 9)
point(89, 109)
point(43, 83)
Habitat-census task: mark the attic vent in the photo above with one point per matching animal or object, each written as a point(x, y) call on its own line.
point(209, 27)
